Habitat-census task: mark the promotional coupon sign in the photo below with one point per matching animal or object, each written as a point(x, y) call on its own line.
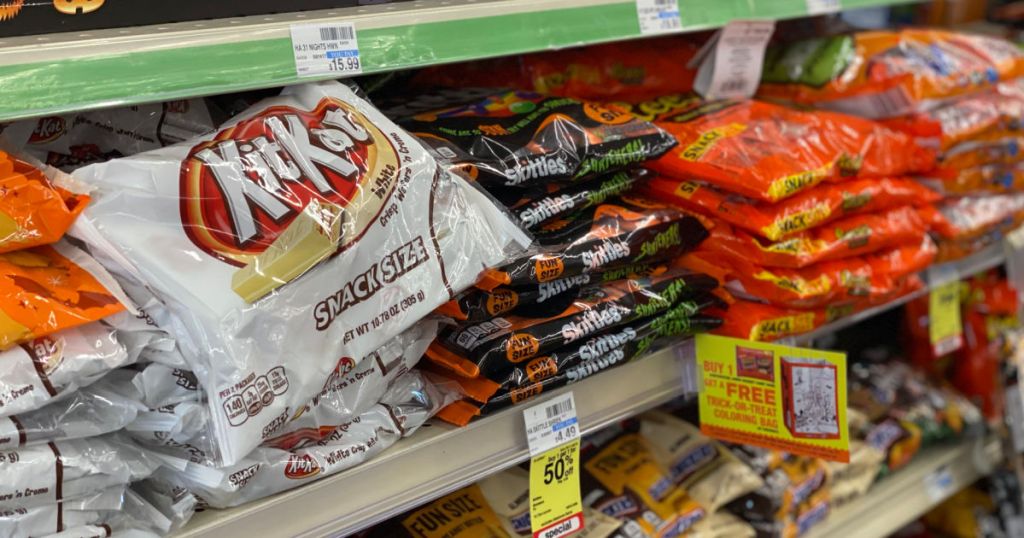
point(553, 434)
point(779, 397)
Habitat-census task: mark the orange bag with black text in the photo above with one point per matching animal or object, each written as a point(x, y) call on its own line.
point(49, 288)
point(33, 211)
point(804, 211)
point(769, 152)
point(848, 237)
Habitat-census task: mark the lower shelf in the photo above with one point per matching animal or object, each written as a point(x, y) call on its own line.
point(899, 499)
point(439, 459)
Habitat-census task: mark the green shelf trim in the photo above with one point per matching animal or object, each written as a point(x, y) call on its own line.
point(42, 88)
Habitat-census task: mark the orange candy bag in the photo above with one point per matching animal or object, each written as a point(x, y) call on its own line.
point(804, 211)
point(844, 238)
point(859, 278)
point(49, 288)
point(988, 115)
point(763, 322)
point(769, 152)
point(989, 178)
point(33, 211)
point(887, 73)
point(628, 71)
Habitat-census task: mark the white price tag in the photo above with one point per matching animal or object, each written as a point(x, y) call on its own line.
point(732, 68)
point(326, 49)
point(658, 16)
point(939, 484)
point(820, 7)
point(1015, 417)
point(551, 424)
point(1014, 249)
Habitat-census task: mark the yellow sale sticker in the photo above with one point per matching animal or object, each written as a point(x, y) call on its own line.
point(780, 397)
point(944, 327)
point(556, 508)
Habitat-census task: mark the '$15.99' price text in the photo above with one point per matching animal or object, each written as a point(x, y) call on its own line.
point(344, 64)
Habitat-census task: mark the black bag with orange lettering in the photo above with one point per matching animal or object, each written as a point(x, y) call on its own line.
point(618, 233)
point(512, 139)
point(494, 347)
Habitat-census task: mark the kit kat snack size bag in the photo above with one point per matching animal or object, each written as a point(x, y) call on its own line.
point(611, 236)
point(811, 208)
point(309, 230)
point(515, 140)
point(769, 152)
point(887, 73)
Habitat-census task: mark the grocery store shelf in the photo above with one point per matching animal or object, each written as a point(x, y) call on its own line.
point(896, 500)
point(439, 459)
point(54, 73)
point(992, 256)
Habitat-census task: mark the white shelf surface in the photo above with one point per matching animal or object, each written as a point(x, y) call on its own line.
point(896, 500)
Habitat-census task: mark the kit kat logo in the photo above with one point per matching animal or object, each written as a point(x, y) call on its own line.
point(48, 129)
point(301, 466)
point(242, 189)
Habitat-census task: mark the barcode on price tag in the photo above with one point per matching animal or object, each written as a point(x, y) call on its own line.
point(551, 424)
point(326, 49)
point(939, 484)
point(658, 16)
point(820, 7)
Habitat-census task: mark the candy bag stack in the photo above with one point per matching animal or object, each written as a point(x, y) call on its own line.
point(65, 329)
point(599, 285)
point(957, 93)
point(813, 214)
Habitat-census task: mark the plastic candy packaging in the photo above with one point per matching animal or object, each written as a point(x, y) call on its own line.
point(103, 407)
point(495, 347)
point(53, 367)
point(979, 180)
point(622, 478)
point(513, 140)
point(75, 140)
point(769, 152)
point(71, 469)
point(866, 277)
point(178, 415)
point(35, 208)
point(758, 321)
point(614, 235)
point(309, 230)
point(988, 115)
point(628, 71)
point(887, 73)
point(46, 289)
point(577, 361)
point(535, 210)
point(804, 211)
point(971, 216)
point(406, 406)
point(852, 236)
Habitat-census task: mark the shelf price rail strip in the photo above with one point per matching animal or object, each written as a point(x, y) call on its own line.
point(57, 73)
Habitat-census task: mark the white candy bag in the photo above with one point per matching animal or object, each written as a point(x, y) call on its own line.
point(177, 418)
point(306, 233)
point(103, 407)
point(41, 475)
point(266, 471)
